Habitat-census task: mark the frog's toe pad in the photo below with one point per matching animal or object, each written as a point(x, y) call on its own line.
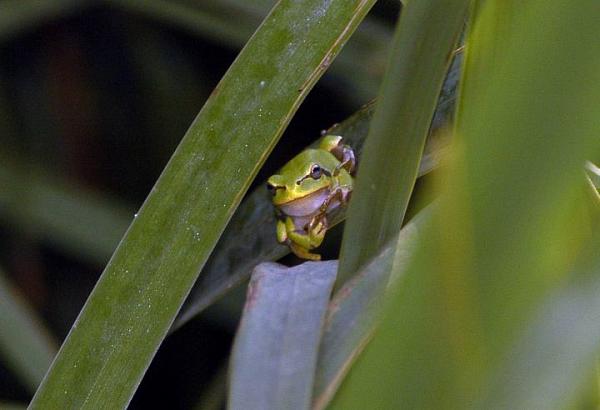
point(304, 253)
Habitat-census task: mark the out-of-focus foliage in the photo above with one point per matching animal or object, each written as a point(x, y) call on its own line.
point(53, 205)
point(232, 22)
point(471, 322)
point(24, 342)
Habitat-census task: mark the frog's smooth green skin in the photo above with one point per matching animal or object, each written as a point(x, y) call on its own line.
point(306, 189)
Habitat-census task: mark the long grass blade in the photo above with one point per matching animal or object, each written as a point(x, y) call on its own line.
point(17, 16)
point(25, 344)
point(354, 311)
point(79, 221)
point(135, 301)
point(425, 37)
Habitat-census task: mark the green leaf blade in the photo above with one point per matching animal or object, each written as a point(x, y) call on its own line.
point(354, 311)
point(142, 288)
point(424, 40)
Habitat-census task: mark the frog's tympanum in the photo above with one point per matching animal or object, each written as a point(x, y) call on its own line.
point(310, 186)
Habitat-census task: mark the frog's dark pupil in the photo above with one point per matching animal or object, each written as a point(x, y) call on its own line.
point(315, 172)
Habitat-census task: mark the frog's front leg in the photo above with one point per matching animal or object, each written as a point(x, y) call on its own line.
point(282, 237)
point(340, 193)
point(302, 241)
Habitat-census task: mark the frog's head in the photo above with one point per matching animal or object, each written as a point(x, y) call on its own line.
point(302, 184)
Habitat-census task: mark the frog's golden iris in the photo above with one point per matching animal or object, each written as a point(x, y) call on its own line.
point(306, 189)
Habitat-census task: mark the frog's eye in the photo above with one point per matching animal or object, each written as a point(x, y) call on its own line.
point(316, 171)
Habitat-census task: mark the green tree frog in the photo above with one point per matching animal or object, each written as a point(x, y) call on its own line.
point(307, 188)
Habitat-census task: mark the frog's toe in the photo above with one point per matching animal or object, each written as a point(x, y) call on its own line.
point(304, 253)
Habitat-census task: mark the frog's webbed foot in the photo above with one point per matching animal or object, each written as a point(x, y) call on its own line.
point(311, 236)
point(304, 253)
point(301, 242)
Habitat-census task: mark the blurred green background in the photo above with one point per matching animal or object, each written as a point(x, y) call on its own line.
point(94, 97)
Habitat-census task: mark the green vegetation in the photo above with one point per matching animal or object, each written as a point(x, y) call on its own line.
point(468, 273)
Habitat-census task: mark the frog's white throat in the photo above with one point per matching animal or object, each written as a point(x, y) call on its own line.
point(306, 206)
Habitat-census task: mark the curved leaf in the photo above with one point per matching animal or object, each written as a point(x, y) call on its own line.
point(46, 207)
point(275, 351)
point(18, 16)
point(135, 301)
point(425, 36)
point(25, 345)
point(354, 311)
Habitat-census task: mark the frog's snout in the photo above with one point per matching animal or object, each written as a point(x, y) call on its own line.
point(274, 183)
